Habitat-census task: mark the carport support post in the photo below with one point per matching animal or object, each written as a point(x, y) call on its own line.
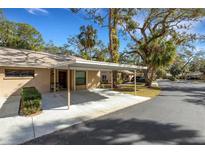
point(135, 82)
point(74, 78)
point(57, 76)
point(86, 79)
point(54, 80)
point(111, 79)
point(68, 87)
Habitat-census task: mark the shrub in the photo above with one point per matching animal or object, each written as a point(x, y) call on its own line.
point(102, 85)
point(172, 78)
point(175, 70)
point(161, 73)
point(30, 101)
point(104, 82)
point(119, 81)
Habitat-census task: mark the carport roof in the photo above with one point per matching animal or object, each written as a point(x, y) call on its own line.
point(27, 58)
point(80, 63)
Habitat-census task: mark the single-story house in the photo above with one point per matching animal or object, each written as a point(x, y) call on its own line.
point(49, 72)
point(106, 77)
point(195, 75)
point(125, 75)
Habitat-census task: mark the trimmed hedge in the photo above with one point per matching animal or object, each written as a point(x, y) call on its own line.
point(30, 101)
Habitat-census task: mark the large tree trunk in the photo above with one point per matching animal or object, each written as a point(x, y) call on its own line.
point(148, 83)
point(111, 46)
point(149, 76)
point(90, 54)
point(110, 32)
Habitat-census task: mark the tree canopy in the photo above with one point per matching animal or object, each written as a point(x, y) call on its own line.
point(146, 27)
point(20, 35)
point(87, 39)
point(86, 45)
point(108, 18)
point(188, 61)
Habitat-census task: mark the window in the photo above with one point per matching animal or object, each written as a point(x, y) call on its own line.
point(104, 77)
point(80, 78)
point(19, 73)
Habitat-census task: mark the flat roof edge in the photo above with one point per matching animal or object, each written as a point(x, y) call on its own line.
point(28, 66)
point(99, 63)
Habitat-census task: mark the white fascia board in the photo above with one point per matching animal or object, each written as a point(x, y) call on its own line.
point(110, 65)
point(26, 66)
point(87, 68)
point(94, 65)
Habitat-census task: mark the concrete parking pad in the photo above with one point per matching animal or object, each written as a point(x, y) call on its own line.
point(9, 106)
point(86, 105)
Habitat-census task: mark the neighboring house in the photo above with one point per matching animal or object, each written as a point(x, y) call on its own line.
point(125, 75)
point(49, 72)
point(106, 77)
point(195, 76)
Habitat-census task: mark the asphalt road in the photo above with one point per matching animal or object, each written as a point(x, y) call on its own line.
point(176, 116)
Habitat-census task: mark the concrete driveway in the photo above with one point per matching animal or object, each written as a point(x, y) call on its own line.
point(85, 105)
point(177, 116)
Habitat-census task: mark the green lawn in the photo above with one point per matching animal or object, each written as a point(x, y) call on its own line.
point(141, 90)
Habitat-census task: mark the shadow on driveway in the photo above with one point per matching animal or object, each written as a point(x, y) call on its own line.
point(118, 131)
point(192, 93)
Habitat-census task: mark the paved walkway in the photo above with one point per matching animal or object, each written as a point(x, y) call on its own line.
point(87, 105)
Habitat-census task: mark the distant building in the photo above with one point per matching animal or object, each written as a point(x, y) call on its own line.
point(195, 76)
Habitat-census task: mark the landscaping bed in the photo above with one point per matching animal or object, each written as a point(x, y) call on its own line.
point(105, 85)
point(30, 103)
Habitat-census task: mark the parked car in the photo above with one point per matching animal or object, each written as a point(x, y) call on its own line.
point(138, 79)
point(193, 78)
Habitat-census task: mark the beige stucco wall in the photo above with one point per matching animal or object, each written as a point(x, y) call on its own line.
point(12, 86)
point(80, 87)
point(93, 79)
point(42, 80)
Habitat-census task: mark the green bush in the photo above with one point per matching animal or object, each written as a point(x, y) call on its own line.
point(30, 101)
point(172, 78)
point(102, 85)
point(161, 73)
point(119, 81)
point(104, 82)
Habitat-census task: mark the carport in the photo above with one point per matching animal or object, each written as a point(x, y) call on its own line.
point(81, 64)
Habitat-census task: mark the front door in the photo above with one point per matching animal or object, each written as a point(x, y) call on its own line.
point(62, 80)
